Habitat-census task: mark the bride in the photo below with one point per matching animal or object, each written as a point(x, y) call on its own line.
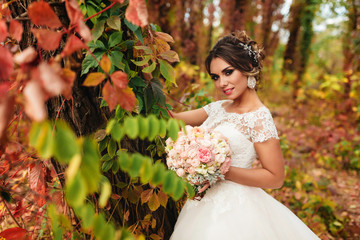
point(237, 208)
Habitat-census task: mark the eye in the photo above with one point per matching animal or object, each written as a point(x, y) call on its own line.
point(229, 72)
point(214, 77)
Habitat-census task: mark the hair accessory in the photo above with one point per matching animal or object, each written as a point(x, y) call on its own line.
point(252, 53)
point(251, 82)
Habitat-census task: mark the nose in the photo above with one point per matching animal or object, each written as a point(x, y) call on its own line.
point(222, 82)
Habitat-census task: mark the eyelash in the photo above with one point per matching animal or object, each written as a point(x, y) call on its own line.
point(227, 73)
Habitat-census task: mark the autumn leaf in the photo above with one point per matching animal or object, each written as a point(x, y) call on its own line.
point(120, 79)
point(14, 233)
point(137, 13)
point(170, 56)
point(37, 182)
point(94, 79)
point(114, 95)
point(35, 98)
point(105, 63)
point(16, 30)
point(6, 63)
point(109, 94)
point(76, 17)
point(41, 13)
point(72, 44)
point(154, 202)
point(26, 56)
point(163, 199)
point(68, 77)
point(7, 106)
point(164, 36)
point(146, 195)
point(47, 39)
point(3, 30)
point(126, 99)
point(161, 45)
point(50, 79)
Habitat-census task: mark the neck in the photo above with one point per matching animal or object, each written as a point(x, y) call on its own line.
point(248, 100)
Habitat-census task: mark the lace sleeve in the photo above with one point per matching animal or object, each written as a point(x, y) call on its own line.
point(208, 108)
point(264, 127)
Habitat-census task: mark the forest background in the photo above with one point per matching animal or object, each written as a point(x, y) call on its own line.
point(85, 88)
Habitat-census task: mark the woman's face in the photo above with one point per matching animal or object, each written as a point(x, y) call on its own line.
point(228, 79)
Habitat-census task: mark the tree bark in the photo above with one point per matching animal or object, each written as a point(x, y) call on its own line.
point(234, 14)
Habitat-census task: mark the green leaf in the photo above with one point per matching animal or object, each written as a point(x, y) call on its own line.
point(142, 62)
point(146, 49)
point(41, 139)
point(112, 147)
point(98, 29)
point(110, 125)
point(169, 185)
point(173, 128)
point(190, 190)
point(99, 225)
point(114, 22)
point(162, 129)
point(131, 127)
point(167, 71)
point(137, 82)
point(143, 127)
point(75, 191)
point(139, 35)
point(146, 170)
point(148, 98)
point(116, 58)
point(151, 68)
point(117, 132)
point(90, 165)
point(157, 90)
point(86, 213)
point(115, 167)
point(115, 39)
point(158, 173)
point(131, 26)
point(137, 161)
point(65, 145)
point(179, 189)
point(125, 161)
point(105, 192)
point(154, 127)
point(107, 165)
point(108, 232)
point(89, 62)
point(73, 167)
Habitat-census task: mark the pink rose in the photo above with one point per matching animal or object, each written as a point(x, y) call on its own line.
point(195, 162)
point(180, 172)
point(204, 155)
point(225, 166)
point(191, 170)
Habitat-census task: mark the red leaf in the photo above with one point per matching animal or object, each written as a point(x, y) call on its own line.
point(69, 77)
point(16, 30)
point(41, 13)
point(76, 17)
point(47, 39)
point(26, 56)
point(6, 63)
point(109, 94)
point(114, 95)
point(7, 102)
point(14, 233)
point(137, 13)
point(73, 44)
point(120, 79)
point(35, 101)
point(126, 99)
point(37, 182)
point(3, 30)
point(50, 79)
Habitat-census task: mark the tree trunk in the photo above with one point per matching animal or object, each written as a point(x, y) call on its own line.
point(294, 30)
point(233, 14)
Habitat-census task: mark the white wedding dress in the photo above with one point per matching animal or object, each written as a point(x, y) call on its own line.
point(231, 211)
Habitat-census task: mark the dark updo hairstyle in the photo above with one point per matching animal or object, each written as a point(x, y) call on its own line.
point(234, 49)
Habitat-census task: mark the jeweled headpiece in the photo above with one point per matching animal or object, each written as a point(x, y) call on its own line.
point(252, 53)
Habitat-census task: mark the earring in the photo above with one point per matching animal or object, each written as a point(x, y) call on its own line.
point(251, 82)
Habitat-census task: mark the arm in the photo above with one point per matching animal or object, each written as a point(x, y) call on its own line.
point(193, 117)
point(271, 175)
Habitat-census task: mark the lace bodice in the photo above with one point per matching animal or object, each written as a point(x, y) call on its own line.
point(242, 130)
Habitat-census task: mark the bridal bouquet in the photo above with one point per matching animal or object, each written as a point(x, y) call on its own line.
point(199, 156)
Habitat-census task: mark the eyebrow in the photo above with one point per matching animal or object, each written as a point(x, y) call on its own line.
point(223, 71)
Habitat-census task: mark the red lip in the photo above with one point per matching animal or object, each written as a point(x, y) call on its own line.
point(228, 91)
